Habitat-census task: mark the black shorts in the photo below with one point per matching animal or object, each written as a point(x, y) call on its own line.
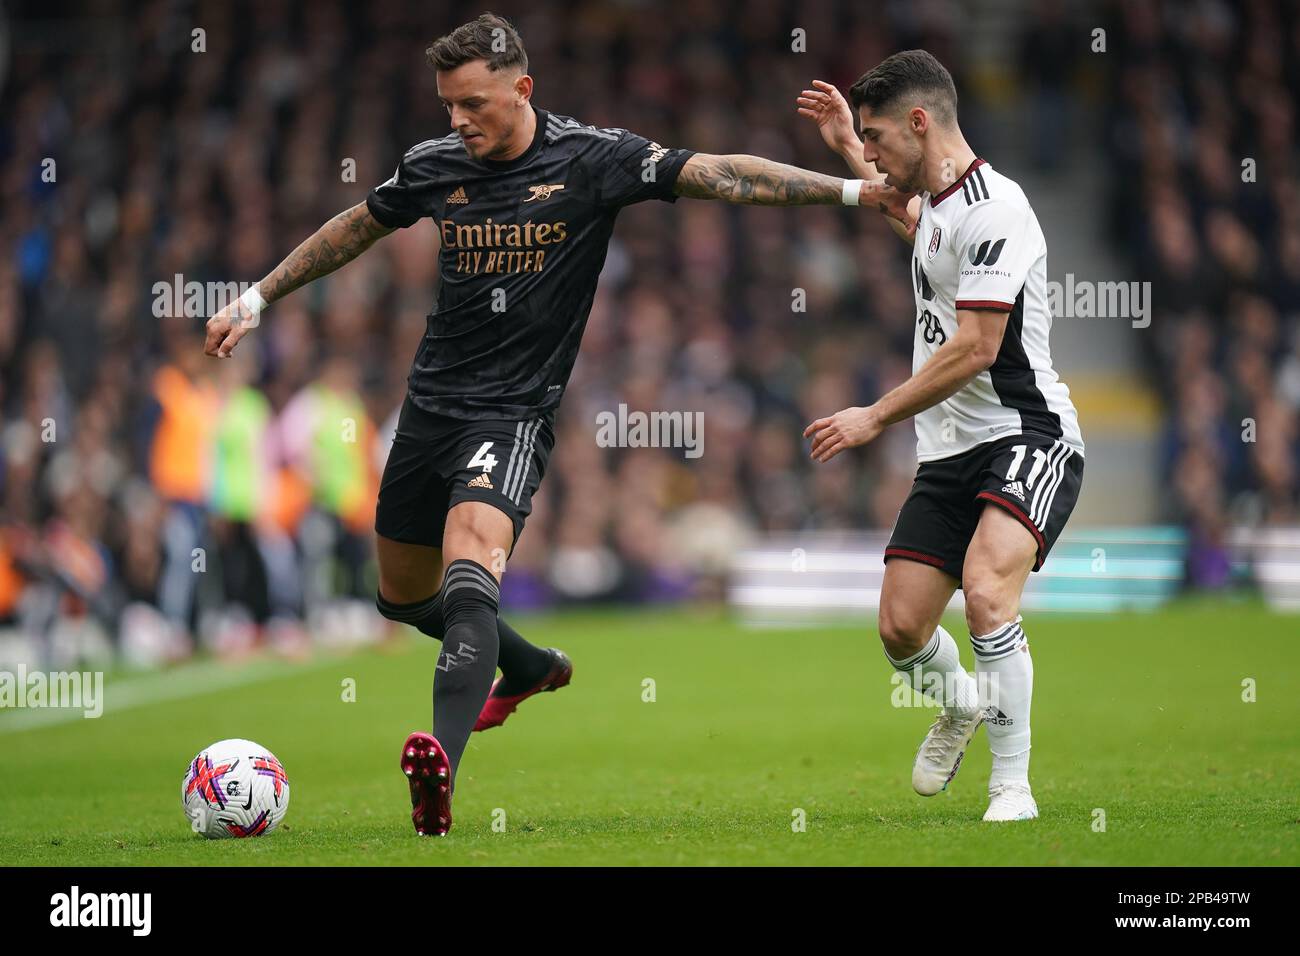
point(1033, 478)
point(437, 462)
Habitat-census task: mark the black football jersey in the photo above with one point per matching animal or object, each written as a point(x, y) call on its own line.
point(523, 243)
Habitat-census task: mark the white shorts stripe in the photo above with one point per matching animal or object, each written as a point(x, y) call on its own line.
point(1043, 479)
point(1058, 476)
point(1047, 506)
point(1057, 473)
point(514, 453)
point(521, 477)
point(1046, 481)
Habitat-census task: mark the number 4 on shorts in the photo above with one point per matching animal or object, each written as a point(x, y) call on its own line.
point(482, 459)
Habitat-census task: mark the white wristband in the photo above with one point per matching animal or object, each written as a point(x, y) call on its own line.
point(252, 300)
point(852, 192)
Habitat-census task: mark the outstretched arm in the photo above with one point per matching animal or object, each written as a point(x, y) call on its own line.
point(334, 244)
point(756, 181)
point(761, 182)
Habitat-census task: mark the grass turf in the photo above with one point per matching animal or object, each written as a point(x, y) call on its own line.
point(1138, 716)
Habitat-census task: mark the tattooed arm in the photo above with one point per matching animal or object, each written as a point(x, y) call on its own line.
point(334, 244)
point(750, 179)
point(758, 181)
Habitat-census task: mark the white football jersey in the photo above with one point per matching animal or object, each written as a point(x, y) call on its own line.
point(978, 246)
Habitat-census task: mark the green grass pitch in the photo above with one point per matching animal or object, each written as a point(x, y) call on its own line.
point(1137, 716)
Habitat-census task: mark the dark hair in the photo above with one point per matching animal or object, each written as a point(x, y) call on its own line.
point(914, 74)
point(489, 37)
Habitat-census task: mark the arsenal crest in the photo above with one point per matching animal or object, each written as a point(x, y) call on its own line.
point(934, 244)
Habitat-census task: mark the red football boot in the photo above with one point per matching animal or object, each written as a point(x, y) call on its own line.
point(429, 773)
point(497, 709)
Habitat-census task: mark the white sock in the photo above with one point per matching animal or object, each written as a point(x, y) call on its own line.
point(940, 661)
point(1005, 673)
point(1014, 769)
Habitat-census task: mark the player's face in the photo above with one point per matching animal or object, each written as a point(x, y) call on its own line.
point(889, 141)
point(485, 106)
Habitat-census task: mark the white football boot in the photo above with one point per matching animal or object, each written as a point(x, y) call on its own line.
point(1010, 801)
point(939, 756)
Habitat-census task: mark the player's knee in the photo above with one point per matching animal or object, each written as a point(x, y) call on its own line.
point(989, 605)
point(901, 633)
point(479, 533)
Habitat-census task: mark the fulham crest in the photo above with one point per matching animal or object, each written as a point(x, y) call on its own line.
point(934, 244)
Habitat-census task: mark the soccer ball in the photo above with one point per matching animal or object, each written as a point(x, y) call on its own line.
point(235, 788)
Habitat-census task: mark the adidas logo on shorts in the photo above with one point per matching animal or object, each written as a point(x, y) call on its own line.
point(1016, 488)
point(481, 482)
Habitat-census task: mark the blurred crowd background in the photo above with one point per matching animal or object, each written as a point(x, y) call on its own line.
point(155, 500)
point(1201, 129)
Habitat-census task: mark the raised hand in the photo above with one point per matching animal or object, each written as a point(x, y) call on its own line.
point(826, 106)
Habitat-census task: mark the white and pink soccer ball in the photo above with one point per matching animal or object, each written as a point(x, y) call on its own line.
point(235, 788)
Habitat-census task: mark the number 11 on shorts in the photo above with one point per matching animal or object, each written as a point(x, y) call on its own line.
point(1039, 460)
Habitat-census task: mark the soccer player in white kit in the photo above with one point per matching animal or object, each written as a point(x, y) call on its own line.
point(998, 441)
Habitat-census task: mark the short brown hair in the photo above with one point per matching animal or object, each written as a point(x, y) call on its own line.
point(489, 37)
point(910, 73)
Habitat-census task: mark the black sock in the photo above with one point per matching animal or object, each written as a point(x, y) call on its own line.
point(425, 615)
point(468, 661)
point(522, 664)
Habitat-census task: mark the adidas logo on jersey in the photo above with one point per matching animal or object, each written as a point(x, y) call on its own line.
point(481, 481)
point(458, 197)
point(1016, 488)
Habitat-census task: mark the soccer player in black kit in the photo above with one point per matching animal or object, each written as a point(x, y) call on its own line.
point(524, 202)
